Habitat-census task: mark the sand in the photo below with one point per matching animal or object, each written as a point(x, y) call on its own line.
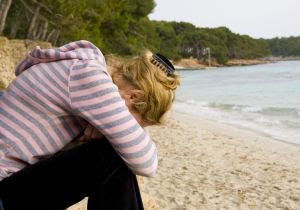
point(208, 165)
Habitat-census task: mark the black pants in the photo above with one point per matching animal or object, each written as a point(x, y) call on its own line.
point(91, 170)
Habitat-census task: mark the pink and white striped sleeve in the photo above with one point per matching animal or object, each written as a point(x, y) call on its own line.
point(96, 98)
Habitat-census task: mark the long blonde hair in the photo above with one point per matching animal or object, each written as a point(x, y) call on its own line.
point(156, 87)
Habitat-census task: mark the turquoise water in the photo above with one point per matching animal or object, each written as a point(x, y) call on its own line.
point(264, 98)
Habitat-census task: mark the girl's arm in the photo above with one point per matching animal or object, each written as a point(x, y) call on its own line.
point(94, 97)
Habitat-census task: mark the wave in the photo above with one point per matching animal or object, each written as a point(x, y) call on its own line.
point(280, 123)
point(273, 111)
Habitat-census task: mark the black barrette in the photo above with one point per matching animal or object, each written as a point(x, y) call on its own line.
point(163, 63)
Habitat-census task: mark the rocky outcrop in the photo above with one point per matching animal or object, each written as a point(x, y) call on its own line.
point(189, 63)
point(245, 62)
point(11, 53)
point(193, 63)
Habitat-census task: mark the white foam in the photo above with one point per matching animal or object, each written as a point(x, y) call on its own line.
point(248, 120)
point(252, 109)
point(198, 103)
point(267, 121)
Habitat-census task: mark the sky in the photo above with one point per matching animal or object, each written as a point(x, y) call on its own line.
point(257, 18)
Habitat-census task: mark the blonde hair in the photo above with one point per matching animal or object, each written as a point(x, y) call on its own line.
point(157, 89)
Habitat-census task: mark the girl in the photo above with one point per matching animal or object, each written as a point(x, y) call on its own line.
point(57, 95)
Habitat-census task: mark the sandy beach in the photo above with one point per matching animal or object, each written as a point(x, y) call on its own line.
point(205, 164)
point(208, 165)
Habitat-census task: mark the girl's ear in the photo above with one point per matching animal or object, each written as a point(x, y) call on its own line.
point(136, 96)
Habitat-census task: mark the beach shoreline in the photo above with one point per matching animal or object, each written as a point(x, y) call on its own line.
point(193, 64)
point(241, 128)
point(210, 165)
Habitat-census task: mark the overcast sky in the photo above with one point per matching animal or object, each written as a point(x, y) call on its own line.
point(257, 18)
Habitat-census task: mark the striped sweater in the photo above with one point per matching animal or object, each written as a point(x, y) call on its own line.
point(56, 93)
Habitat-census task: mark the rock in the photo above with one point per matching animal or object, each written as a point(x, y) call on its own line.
point(11, 53)
point(245, 62)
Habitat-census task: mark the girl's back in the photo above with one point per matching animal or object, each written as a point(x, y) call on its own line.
point(56, 93)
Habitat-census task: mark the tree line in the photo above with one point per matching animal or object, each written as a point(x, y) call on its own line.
point(286, 46)
point(123, 27)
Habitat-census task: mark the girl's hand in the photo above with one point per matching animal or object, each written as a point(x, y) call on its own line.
point(90, 133)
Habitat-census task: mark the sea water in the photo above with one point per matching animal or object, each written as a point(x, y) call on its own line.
point(264, 98)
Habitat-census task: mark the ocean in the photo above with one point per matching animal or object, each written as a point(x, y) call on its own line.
point(263, 98)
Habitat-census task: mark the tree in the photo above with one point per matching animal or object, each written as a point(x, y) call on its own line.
point(123, 27)
point(192, 44)
point(289, 46)
point(4, 7)
point(169, 42)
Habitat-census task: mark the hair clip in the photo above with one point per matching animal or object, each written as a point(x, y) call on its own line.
point(163, 63)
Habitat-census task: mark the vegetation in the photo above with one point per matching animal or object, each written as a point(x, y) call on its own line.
point(123, 27)
point(285, 46)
